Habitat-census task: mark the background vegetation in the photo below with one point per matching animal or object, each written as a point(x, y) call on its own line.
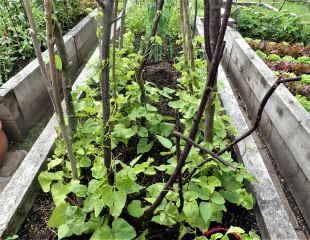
point(15, 42)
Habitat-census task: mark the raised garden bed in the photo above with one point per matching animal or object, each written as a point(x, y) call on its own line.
point(287, 60)
point(35, 226)
point(285, 124)
point(275, 221)
point(141, 143)
point(23, 95)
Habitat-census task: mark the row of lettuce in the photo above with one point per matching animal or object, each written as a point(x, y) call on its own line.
point(282, 40)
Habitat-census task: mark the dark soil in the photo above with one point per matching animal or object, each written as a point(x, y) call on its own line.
point(35, 226)
point(162, 74)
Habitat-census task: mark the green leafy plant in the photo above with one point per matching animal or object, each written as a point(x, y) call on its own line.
point(257, 22)
point(15, 41)
point(145, 155)
point(205, 195)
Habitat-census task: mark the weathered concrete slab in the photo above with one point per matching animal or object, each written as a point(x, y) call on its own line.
point(11, 162)
point(3, 182)
point(285, 125)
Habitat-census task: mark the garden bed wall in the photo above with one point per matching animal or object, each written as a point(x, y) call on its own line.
point(17, 197)
point(285, 126)
point(275, 219)
point(24, 99)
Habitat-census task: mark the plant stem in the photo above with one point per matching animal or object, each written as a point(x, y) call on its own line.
point(214, 27)
point(37, 49)
point(48, 6)
point(195, 18)
point(66, 79)
point(107, 9)
point(178, 153)
point(114, 49)
point(146, 51)
point(123, 22)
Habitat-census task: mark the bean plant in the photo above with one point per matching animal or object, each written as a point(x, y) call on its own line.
point(143, 164)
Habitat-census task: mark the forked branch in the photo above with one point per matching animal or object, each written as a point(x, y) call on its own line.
point(255, 125)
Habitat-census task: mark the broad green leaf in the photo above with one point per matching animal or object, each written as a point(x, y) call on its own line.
point(46, 178)
point(206, 210)
point(102, 233)
point(217, 198)
point(54, 163)
point(79, 189)
point(216, 236)
point(135, 209)
point(191, 211)
point(233, 197)
point(127, 185)
point(164, 141)
point(119, 201)
point(122, 133)
point(143, 146)
point(64, 231)
point(93, 203)
point(237, 230)
point(247, 201)
point(143, 132)
point(59, 192)
point(98, 170)
point(58, 216)
point(190, 195)
point(122, 230)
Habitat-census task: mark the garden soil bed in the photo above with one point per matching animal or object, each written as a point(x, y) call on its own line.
point(35, 226)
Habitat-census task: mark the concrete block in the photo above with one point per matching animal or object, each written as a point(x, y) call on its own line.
point(3, 182)
point(84, 43)
point(11, 162)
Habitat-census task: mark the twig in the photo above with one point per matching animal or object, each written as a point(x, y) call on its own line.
point(178, 153)
point(260, 112)
point(205, 150)
point(37, 49)
point(50, 38)
point(66, 79)
point(256, 124)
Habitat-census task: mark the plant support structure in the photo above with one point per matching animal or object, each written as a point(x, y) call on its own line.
point(107, 10)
